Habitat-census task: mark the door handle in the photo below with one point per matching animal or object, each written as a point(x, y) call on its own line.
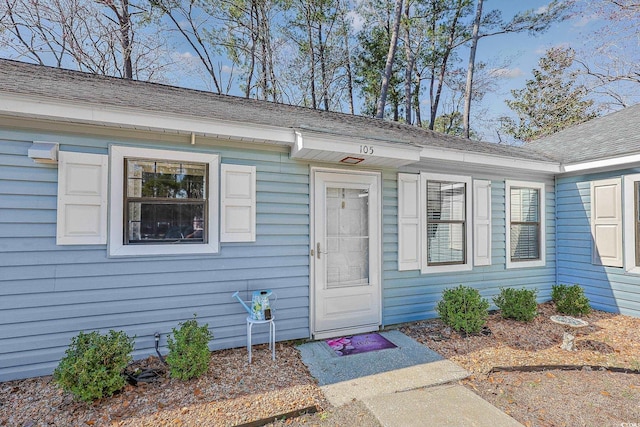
point(318, 249)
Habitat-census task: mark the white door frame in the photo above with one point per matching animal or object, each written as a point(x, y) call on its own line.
point(313, 237)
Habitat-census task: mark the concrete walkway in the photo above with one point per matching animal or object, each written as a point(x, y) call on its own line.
point(403, 387)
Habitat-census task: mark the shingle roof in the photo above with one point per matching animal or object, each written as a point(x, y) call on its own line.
point(613, 135)
point(78, 87)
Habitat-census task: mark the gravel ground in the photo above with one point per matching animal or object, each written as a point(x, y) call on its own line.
point(233, 392)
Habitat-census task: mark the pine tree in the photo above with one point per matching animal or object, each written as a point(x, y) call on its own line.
point(551, 101)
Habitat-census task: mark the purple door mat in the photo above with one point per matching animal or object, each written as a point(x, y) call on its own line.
point(356, 344)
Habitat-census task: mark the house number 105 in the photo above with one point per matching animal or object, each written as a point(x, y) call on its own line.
point(366, 149)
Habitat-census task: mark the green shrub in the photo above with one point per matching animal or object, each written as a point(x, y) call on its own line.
point(570, 300)
point(189, 350)
point(463, 309)
point(93, 365)
point(519, 304)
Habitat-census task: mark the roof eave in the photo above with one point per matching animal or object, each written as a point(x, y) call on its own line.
point(601, 164)
point(539, 166)
point(123, 117)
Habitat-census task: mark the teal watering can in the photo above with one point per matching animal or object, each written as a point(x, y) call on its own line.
point(260, 306)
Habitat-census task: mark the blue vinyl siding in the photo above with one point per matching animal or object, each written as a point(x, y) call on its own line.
point(608, 288)
point(410, 295)
point(48, 293)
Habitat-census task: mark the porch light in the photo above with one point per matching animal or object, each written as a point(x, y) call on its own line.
point(351, 160)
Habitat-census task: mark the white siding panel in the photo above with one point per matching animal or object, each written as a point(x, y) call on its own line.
point(238, 203)
point(606, 222)
point(481, 222)
point(82, 199)
point(408, 221)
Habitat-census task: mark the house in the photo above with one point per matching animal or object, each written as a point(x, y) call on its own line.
point(597, 208)
point(131, 206)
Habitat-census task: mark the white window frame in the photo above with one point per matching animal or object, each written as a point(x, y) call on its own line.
point(467, 265)
point(543, 235)
point(116, 246)
point(629, 213)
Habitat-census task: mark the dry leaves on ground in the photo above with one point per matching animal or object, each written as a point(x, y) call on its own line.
point(553, 397)
point(232, 392)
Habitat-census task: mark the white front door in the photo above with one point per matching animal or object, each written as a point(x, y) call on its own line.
point(346, 253)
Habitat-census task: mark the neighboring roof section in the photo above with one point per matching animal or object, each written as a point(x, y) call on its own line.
point(79, 89)
point(612, 136)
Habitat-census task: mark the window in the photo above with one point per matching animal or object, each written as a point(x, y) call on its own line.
point(525, 230)
point(446, 232)
point(446, 222)
point(168, 203)
point(435, 222)
point(165, 202)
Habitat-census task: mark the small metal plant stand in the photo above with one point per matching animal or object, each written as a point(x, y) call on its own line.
point(570, 324)
point(272, 334)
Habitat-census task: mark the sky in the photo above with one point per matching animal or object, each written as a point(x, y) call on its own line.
point(521, 51)
point(526, 50)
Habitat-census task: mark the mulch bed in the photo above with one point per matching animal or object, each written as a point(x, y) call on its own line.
point(235, 393)
point(521, 369)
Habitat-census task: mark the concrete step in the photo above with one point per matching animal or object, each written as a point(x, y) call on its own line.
point(441, 406)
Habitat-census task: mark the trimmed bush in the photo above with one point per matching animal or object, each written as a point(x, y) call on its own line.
point(189, 350)
point(93, 365)
point(518, 304)
point(463, 309)
point(570, 300)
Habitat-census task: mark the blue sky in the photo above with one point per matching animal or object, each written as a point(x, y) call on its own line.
point(523, 51)
point(578, 32)
point(512, 57)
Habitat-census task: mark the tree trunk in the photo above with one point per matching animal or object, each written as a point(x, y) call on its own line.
point(323, 69)
point(408, 99)
point(393, 44)
point(253, 19)
point(468, 90)
point(312, 55)
point(349, 74)
point(347, 58)
point(127, 39)
point(443, 65)
point(416, 94)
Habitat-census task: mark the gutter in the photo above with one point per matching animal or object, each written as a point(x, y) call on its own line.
point(131, 118)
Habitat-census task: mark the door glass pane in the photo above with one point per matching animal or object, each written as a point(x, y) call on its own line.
point(347, 240)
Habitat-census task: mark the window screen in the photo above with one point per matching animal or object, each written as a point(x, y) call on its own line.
point(165, 202)
point(446, 222)
point(525, 224)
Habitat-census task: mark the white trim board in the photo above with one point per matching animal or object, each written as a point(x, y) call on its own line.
point(33, 107)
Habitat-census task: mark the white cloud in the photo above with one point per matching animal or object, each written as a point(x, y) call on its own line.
point(542, 50)
point(542, 9)
point(507, 73)
point(357, 21)
point(186, 56)
point(584, 21)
